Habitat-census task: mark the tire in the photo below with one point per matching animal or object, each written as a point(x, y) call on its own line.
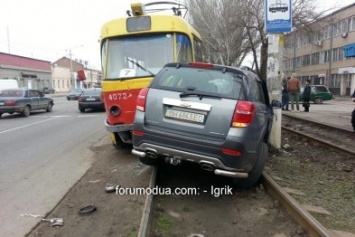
point(255, 173)
point(49, 107)
point(318, 100)
point(82, 110)
point(149, 161)
point(26, 111)
point(68, 98)
point(0, 115)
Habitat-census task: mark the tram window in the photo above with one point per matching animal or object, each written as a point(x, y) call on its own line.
point(198, 50)
point(184, 49)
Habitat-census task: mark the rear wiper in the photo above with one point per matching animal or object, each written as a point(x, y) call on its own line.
point(140, 66)
point(199, 94)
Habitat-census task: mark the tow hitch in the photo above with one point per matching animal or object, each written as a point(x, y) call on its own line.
point(176, 160)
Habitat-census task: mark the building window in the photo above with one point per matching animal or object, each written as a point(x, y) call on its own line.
point(306, 60)
point(352, 23)
point(315, 58)
point(324, 56)
point(345, 26)
point(298, 62)
point(335, 55)
point(334, 81)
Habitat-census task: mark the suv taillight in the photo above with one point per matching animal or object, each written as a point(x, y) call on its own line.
point(142, 96)
point(243, 114)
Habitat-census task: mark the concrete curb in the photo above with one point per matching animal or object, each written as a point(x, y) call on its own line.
point(147, 211)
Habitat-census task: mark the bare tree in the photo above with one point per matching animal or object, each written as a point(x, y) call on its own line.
point(233, 29)
point(223, 43)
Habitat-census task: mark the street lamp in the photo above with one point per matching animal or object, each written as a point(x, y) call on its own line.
point(72, 79)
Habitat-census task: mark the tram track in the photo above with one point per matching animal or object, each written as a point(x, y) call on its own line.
point(335, 137)
point(307, 221)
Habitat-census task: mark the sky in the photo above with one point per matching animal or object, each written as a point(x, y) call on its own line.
point(50, 29)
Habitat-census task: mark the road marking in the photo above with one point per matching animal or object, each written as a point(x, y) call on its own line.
point(28, 125)
point(61, 116)
point(87, 116)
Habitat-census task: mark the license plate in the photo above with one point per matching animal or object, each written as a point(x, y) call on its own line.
point(90, 99)
point(2, 103)
point(183, 115)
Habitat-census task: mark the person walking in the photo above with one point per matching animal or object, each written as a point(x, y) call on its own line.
point(294, 88)
point(353, 113)
point(307, 96)
point(285, 96)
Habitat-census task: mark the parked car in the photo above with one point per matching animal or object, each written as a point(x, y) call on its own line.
point(91, 99)
point(319, 93)
point(216, 116)
point(48, 90)
point(74, 94)
point(24, 101)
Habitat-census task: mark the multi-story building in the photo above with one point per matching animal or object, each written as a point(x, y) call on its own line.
point(326, 54)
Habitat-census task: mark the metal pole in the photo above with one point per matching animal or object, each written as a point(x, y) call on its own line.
point(330, 52)
point(294, 50)
point(72, 79)
point(71, 71)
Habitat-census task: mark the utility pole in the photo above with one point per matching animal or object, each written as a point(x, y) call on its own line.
point(72, 78)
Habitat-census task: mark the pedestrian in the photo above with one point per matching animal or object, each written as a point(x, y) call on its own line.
point(294, 88)
point(307, 96)
point(285, 96)
point(353, 114)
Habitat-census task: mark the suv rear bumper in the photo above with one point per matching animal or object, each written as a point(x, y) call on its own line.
point(118, 127)
point(215, 164)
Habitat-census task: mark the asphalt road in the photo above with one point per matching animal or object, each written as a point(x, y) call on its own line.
point(41, 158)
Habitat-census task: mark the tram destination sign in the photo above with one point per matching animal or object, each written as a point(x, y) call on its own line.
point(278, 16)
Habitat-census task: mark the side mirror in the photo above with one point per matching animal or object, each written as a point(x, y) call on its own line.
point(276, 103)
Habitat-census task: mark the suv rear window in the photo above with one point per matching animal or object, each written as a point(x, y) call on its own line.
point(225, 84)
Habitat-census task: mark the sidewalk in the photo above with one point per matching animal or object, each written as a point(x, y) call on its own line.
point(336, 112)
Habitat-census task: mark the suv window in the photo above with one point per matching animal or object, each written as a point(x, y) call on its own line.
point(322, 89)
point(226, 84)
point(256, 91)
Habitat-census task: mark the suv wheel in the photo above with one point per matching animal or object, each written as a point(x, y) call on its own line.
point(257, 170)
point(318, 100)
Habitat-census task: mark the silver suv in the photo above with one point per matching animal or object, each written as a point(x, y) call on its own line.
point(216, 116)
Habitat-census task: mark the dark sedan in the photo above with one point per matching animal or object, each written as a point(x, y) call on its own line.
point(74, 94)
point(48, 90)
point(24, 101)
point(91, 99)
